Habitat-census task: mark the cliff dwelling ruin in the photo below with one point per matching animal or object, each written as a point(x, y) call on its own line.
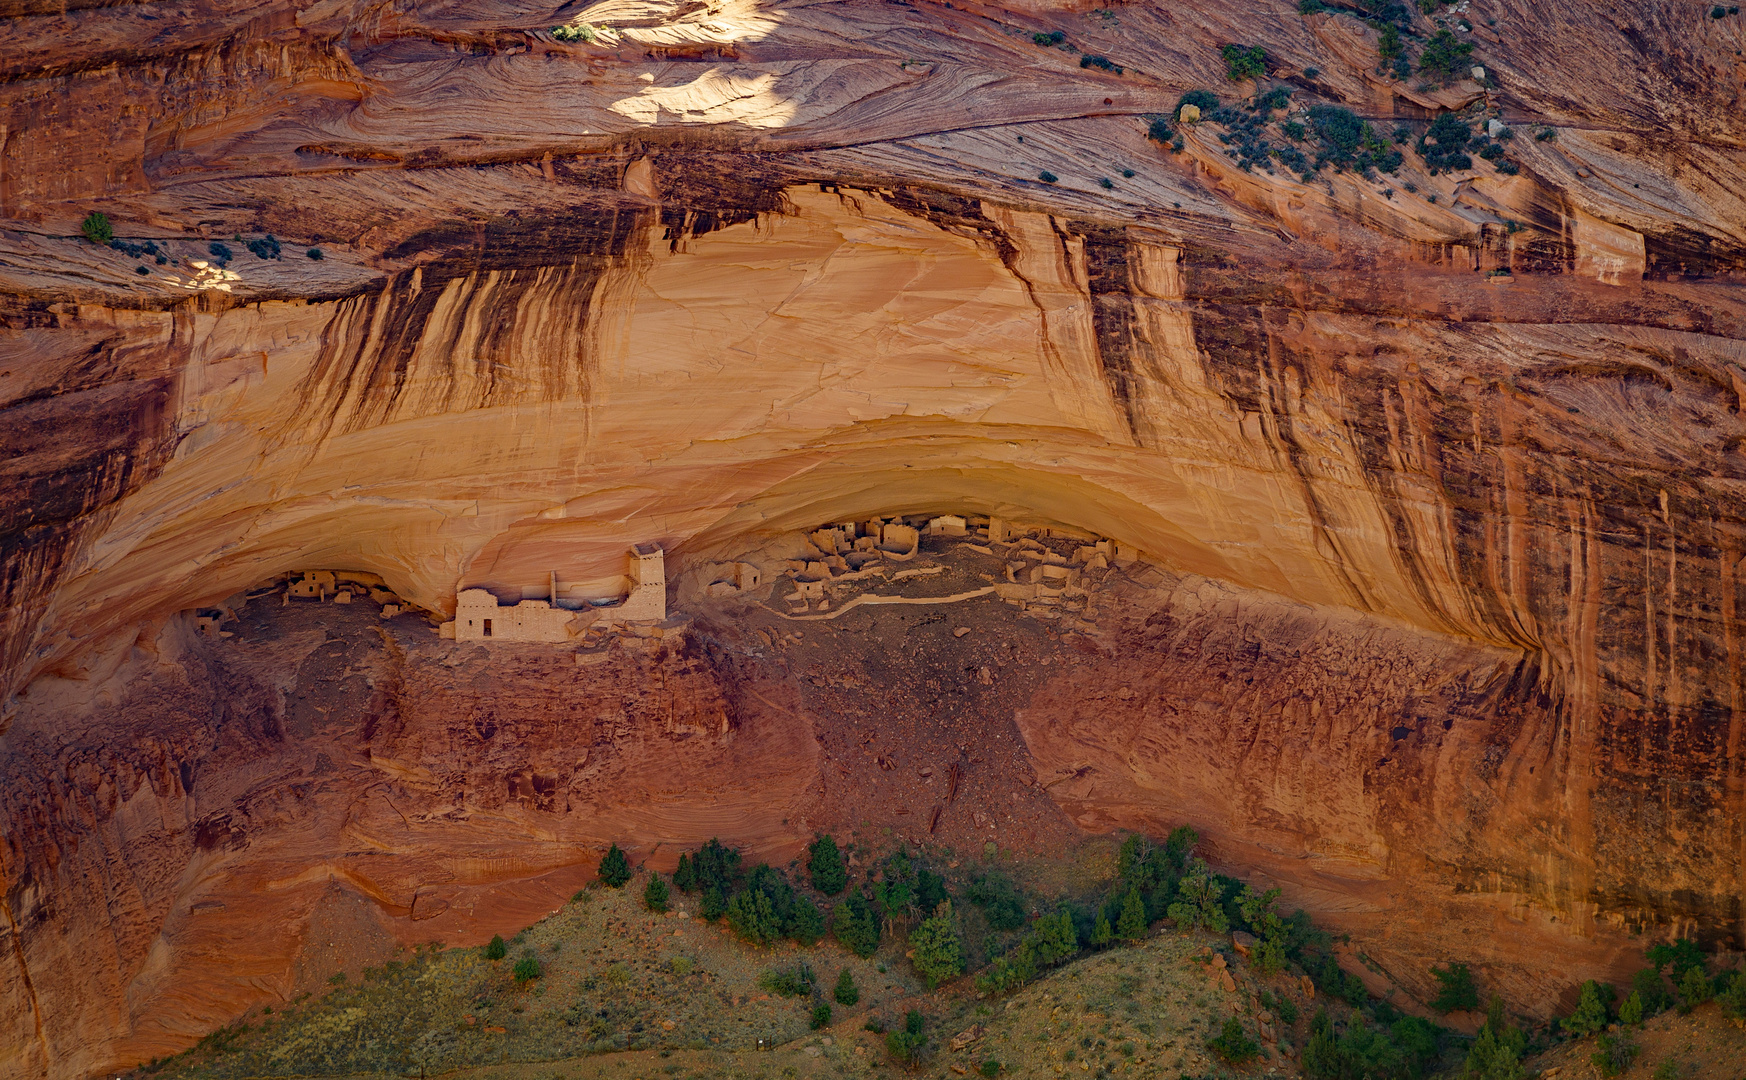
point(479, 616)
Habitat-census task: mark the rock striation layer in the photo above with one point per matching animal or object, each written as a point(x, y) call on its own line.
point(1441, 472)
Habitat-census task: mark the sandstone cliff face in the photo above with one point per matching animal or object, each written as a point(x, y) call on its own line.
point(1470, 548)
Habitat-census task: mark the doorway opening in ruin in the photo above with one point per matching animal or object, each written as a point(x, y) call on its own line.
point(487, 627)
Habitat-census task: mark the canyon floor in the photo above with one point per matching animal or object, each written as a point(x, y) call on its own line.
point(629, 993)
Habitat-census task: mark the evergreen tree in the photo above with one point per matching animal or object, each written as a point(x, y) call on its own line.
point(753, 917)
point(1630, 1013)
point(1649, 985)
point(806, 923)
point(719, 866)
point(1054, 938)
point(930, 890)
point(1001, 904)
point(655, 894)
point(824, 865)
point(854, 924)
point(1233, 1043)
point(1132, 924)
point(614, 868)
point(1180, 846)
point(1681, 955)
point(1591, 1012)
point(1200, 900)
point(1694, 989)
point(685, 875)
point(1458, 991)
point(1321, 1057)
point(936, 952)
point(1497, 1053)
point(1101, 934)
point(713, 905)
point(895, 892)
point(497, 950)
point(846, 993)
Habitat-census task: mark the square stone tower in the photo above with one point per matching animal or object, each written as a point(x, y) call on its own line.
point(647, 601)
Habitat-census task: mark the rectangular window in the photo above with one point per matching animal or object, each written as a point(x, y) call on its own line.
point(487, 627)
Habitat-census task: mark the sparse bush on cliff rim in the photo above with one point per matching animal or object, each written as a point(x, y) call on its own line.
point(96, 228)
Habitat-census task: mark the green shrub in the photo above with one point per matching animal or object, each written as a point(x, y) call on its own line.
point(1442, 145)
point(855, 925)
point(1615, 1053)
point(1419, 1041)
point(1591, 1011)
point(97, 229)
point(824, 866)
point(1047, 177)
point(795, 980)
point(655, 894)
point(574, 32)
point(1159, 131)
point(1457, 991)
point(1050, 39)
point(938, 955)
point(821, 1016)
point(1102, 63)
point(1233, 1044)
point(1310, 7)
point(990, 1067)
point(1444, 55)
point(846, 993)
point(1206, 101)
point(905, 1046)
point(316, 253)
point(1243, 62)
point(1733, 995)
point(1281, 1006)
point(1388, 46)
point(526, 969)
point(496, 950)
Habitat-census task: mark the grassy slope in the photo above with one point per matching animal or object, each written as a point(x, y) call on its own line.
point(612, 1002)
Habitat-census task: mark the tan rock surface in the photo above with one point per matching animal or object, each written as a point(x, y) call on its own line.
point(746, 269)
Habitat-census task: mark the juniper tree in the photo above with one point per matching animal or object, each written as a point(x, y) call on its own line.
point(615, 869)
point(824, 865)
